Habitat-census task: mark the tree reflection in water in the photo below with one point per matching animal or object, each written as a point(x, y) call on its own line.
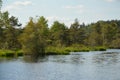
point(106, 58)
point(34, 59)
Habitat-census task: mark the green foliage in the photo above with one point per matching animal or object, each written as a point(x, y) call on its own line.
point(37, 39)
point(77, 33)
point(65, 50)
point(33, 37)
point(19, 53)
point(74, 32)
point(102, 33)
point(9, 32)
point(10, 53)
point(98, 48)
point(116, 43)
point(59, 34)
point(56, 51)
point(77, 49)
point(7, 53)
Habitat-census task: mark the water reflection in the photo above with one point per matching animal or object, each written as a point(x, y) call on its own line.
point(92, 57)
point(106, 58)
point(77, 59)
point(67, 59)
point(7, 59)
point(58, 58)
point(82, 66)
point(33, 59)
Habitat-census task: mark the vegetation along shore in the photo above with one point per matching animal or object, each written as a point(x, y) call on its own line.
point(38, 38)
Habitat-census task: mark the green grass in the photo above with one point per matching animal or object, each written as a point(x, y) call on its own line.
point(19, 53)
point(77, 49)
point(66, 50)
point(99, 48)
point(56, 51)
point(6, 53)
point(10, 53)
point(53, 51)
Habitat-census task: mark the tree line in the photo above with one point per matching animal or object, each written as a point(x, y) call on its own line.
point(36, 35)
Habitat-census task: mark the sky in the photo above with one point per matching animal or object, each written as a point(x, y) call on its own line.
point(65, 11)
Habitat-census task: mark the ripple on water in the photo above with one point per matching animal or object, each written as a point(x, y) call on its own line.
point(92, 65)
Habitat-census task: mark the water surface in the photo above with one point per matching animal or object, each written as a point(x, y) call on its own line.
point(94, 65)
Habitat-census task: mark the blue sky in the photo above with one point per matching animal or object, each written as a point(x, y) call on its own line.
point(63, 10)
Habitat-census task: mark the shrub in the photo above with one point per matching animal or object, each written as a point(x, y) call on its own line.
point(19, 53)
point(101, 48)
point(56, 51)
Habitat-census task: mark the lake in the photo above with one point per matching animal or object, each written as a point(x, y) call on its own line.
point(93, 65)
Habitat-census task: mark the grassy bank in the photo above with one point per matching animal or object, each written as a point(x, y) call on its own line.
point(56, 51)
point(67, 50)
point(98, 48)
point(52, 51)
point(11, 53)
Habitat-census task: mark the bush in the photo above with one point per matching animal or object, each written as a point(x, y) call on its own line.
point(64, 50)
point(101, 48)
point(7, 53)
point(77, 49)
point(19, 53)
point(56, 51)
point(10, 53)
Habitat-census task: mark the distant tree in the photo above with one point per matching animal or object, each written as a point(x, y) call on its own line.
point(59, 34)
point(36, 35)
point(9, 32)
point(95, 35)
point(33, 37)
point(42, 23)
point(116, 39)
point(74, 32)
point(109, 32)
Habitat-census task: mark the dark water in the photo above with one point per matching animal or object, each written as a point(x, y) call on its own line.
point(77, 66)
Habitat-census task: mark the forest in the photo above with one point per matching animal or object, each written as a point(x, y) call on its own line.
point(38, 38)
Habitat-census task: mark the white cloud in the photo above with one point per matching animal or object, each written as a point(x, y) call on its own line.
point(51, 19)
point(78, 8)
point(74, 7)
point(54, 18)
point(111, 0)
point(17, 5)
point(24, 3)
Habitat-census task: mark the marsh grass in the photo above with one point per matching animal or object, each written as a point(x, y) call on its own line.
point(56, 51)
point(98, 48)
point(53, 51)
point(11, 53)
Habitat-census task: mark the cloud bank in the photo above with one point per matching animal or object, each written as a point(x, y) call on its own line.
point(77, 8)
point(111, 0)
point(17, 5)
